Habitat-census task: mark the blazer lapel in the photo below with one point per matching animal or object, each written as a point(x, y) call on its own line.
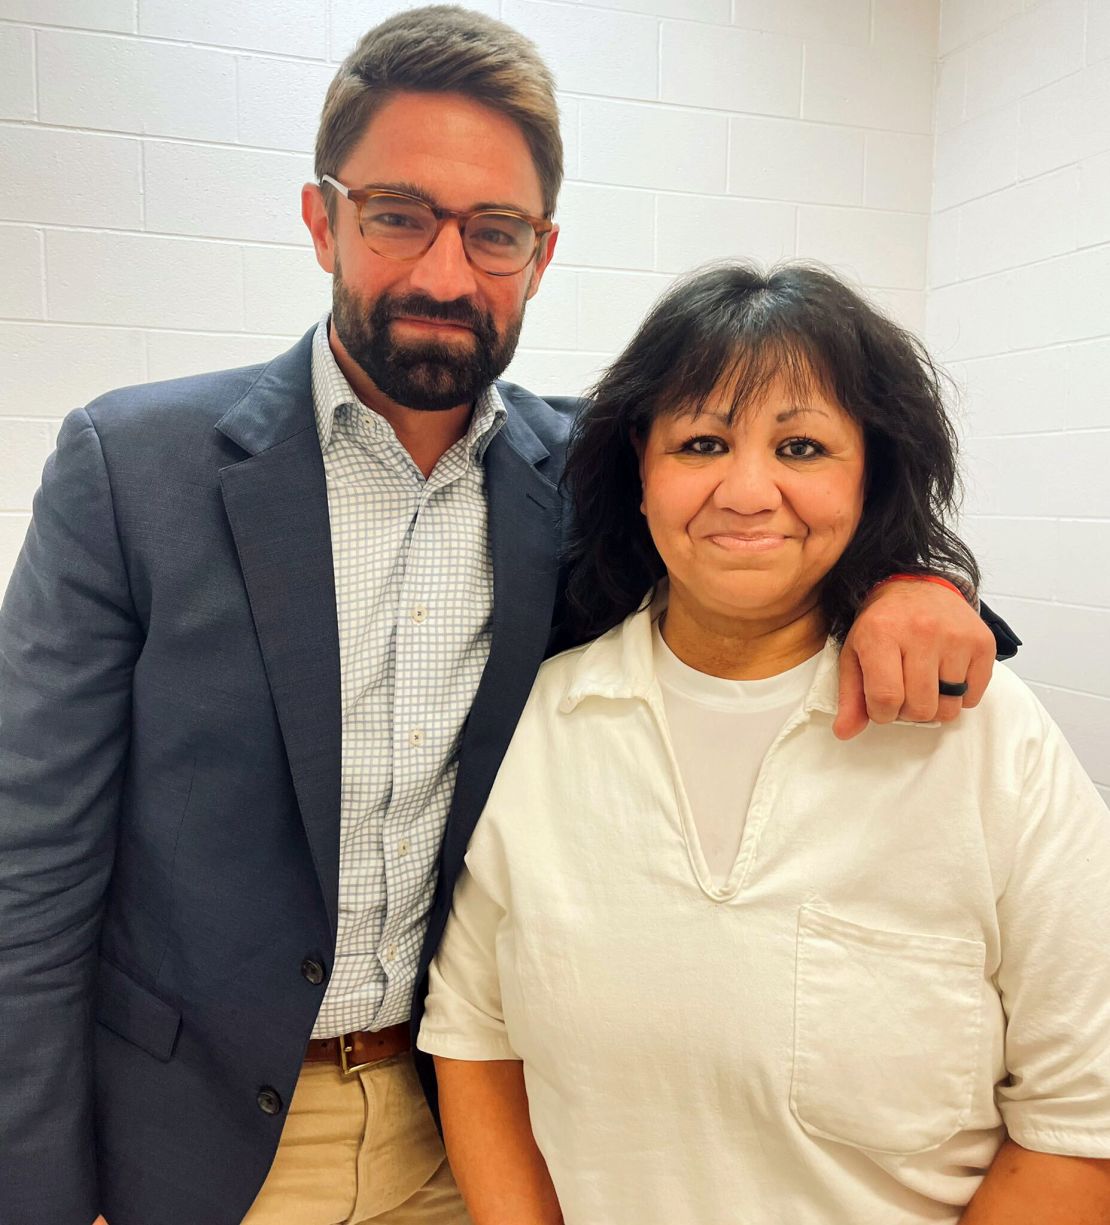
point(277, 506)
point(524, 524)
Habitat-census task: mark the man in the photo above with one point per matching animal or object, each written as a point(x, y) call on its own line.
point(259, 661)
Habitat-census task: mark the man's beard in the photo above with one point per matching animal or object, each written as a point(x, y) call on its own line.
point(428, 375)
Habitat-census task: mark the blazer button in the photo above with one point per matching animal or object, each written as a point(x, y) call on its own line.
point(313, 971)
point(268, 1100)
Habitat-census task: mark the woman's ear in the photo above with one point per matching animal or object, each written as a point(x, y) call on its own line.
point(639, 445)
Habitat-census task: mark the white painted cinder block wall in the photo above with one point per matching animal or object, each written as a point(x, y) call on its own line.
point(1019, 311)
point(152, 153)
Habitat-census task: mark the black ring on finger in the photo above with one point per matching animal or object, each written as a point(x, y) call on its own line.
point(952, 689)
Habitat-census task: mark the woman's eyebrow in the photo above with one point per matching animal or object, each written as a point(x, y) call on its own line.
point(788, 413)
point(725, 418)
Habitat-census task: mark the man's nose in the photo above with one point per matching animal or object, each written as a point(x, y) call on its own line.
point(443, 271)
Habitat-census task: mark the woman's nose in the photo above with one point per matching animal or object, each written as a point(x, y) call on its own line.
point(749, 483)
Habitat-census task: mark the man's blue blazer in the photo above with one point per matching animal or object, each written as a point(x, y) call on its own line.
point(169, 782)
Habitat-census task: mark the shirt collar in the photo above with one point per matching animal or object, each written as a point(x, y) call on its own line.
point(619, 664)
point(331, 392)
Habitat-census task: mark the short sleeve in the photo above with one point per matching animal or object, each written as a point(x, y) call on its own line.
point(1054, 916)
point(463, 1017)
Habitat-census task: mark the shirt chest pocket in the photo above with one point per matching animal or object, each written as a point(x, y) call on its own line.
point(886, 1034)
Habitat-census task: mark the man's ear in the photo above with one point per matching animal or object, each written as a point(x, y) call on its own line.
point(547, 250)
point(314, 211)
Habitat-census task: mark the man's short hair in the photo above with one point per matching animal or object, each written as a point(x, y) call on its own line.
point(443, 49)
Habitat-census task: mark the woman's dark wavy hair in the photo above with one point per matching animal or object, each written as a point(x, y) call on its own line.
point(736, 327)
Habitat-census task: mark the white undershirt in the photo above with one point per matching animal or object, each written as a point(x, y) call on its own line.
point(721, 731)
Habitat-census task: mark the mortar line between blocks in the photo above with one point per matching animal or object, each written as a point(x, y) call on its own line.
point(36, 102)
point(43, 287)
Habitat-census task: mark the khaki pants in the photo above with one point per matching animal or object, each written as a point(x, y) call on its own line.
point(359, 1149)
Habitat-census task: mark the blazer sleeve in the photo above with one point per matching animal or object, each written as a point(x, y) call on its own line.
point(69, 639)
point(1006, 642)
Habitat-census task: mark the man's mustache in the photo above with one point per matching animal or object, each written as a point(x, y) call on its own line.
point(459, 311)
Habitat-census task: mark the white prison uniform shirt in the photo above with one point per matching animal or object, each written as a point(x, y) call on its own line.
point(909, 953)
point(720, 730)
point(414, 597)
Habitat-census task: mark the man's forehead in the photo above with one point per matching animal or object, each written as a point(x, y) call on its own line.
point(449, 149)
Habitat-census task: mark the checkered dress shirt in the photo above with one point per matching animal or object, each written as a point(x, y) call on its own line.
point(414, 595)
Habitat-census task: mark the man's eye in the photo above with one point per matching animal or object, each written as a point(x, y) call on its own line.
point(801, 448)
point(492, 236)
point(703, 444)
point(393, 221)
point(499, 235)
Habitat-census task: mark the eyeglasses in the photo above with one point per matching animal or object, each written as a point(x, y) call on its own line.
point(399, 226)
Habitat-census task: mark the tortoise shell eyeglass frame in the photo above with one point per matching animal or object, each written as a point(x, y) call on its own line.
point(359, 196)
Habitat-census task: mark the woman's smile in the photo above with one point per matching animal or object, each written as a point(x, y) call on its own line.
point(748, 542)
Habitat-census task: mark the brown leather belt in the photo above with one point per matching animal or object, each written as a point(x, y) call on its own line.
point(352, 1052)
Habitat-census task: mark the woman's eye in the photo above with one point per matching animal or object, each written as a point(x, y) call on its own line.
point(703, 444)
point(801, 448)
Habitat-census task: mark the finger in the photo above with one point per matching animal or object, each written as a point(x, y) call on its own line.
point(920, 672)
point(954, 666)
point(851, 708)
point(883, 686)
point(979, 672)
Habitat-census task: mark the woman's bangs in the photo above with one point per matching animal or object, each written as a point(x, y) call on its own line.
point(732, 375)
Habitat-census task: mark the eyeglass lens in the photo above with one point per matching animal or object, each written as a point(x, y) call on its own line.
point(405, 229)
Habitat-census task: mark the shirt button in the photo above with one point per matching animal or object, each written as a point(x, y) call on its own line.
point(391, 952)
point(416, 738)
point(403, 847)
point(419, 614)
point(313, 971)
point(268, 1100)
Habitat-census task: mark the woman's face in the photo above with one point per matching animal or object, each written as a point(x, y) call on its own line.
point(749, 517)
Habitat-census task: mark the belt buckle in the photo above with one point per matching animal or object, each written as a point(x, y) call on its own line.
point(346, 1068)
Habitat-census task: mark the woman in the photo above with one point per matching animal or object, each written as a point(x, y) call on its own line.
point(708, 965)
